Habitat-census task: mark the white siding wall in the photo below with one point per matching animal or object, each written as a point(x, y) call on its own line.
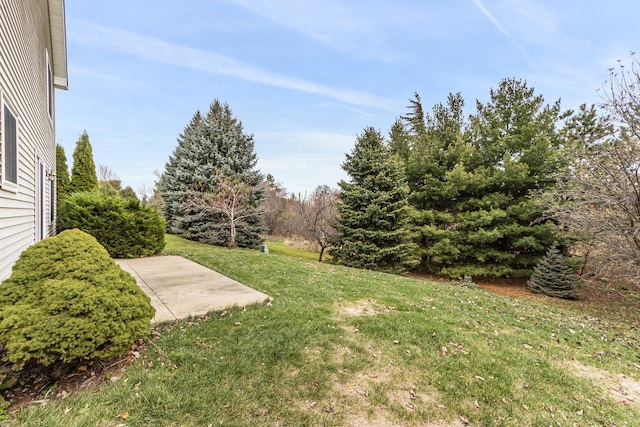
point(25, 38)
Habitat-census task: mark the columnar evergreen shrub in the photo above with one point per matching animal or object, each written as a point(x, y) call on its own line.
point(83, 173)
point(124, 226)
point(63, 183)
point(554, 277)
point(67, 300)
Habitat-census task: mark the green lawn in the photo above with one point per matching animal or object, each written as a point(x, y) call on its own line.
point(339, 346)
point(280, 247)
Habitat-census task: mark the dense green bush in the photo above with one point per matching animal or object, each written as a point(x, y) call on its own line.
point(124, 226)
point(67, 300)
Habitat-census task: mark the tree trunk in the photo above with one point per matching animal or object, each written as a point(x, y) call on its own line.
point(322, 248)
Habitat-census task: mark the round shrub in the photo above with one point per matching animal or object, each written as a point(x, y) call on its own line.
point(67, 300)
point(124, 226)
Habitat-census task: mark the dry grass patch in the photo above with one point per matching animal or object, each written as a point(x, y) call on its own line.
point(620, 387)
point(380, 394)
point(367, 307)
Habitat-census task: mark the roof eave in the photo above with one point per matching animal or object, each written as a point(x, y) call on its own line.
point(58, 44)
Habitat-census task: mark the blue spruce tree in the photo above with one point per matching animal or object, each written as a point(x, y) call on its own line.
point(213, 150)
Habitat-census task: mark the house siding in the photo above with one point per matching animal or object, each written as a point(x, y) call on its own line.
point(25, 39)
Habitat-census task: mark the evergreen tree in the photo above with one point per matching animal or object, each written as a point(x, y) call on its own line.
point(471, 182)
point(63, 183)
point(444, 183)
point(522, 151)
point(373, 224)
point(552, 276)
point(213, 149)
point(83, 173)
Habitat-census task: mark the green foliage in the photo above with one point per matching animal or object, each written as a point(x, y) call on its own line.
point(125, 227)
point(373, 224)
point(67, 300)
point(471, 181)
point(6, 382)
point(111, 187)
point(83, 173)
point(63, 183)
point(212, 147)
point(128, 193)
point(554, 277)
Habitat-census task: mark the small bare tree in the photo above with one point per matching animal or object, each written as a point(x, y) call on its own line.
point(108, 180)
point(231, 200)
point(599, 197)
point(105, 173)
point(318, 214)
point(275, 207)
point(151, 196)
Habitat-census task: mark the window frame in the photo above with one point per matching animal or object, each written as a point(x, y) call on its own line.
point(5, 183)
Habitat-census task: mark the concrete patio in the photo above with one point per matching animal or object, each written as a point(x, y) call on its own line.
point(180, 288)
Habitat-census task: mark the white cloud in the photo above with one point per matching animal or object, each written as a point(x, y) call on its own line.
point(364, 29)
point(502, 30)
point(76, 70)
point(152, 49)
point(491, 18)
point(533, 20)
point(327, 22)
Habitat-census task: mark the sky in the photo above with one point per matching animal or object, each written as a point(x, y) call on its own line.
point(306, 77)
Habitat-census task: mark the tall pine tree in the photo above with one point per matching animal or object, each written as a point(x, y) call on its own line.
point(442, 178)
point(471, 181)
point(373, 224)
point(213, 149)
point(83, 173)
point(522, 150)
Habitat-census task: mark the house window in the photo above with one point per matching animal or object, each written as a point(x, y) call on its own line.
point(49, 87)
point(9, 150)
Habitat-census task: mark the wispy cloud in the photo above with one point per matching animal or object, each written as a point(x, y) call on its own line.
point(498, 26)
point(344, 26)
point(328, 22)
point(92, 73)
point(153, 49)
point(491, 18)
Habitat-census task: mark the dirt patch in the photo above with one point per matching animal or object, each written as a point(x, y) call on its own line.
point(514, 288)
point(365, 308)
point(620, 387)
point(375, 395)
point(610, 299)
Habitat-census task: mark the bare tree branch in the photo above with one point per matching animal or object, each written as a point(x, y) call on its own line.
point(318, 215)
point(231, 199)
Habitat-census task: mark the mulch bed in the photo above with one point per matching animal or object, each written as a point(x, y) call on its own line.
point(37, 385)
